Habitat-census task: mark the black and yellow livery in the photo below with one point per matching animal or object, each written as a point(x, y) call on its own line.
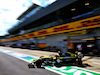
point(62, 59)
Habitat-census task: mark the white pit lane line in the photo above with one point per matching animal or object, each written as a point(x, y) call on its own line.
point(96, 63)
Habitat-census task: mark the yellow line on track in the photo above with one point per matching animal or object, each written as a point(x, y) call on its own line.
point(87, 62)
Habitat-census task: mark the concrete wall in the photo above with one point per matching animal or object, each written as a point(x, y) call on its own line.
point(33, 40)
point(57, 40)
point(97, 32)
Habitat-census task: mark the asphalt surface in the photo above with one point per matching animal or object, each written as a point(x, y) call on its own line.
point(12, 66)
point(93, 62)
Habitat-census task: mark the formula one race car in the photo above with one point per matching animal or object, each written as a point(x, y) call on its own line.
point(63, 59)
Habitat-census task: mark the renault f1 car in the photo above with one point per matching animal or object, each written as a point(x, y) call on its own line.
point(62, 59)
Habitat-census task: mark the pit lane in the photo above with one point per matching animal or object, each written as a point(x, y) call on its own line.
point(93, 67)
point(12, 66)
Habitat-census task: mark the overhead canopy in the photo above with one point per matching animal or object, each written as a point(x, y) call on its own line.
point(43, 12)
point(27, 11)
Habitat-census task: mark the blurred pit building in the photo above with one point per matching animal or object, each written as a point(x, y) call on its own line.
point(62, 25)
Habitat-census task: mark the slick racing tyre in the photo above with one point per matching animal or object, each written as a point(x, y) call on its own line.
point(38, 64)
point(31, 66)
